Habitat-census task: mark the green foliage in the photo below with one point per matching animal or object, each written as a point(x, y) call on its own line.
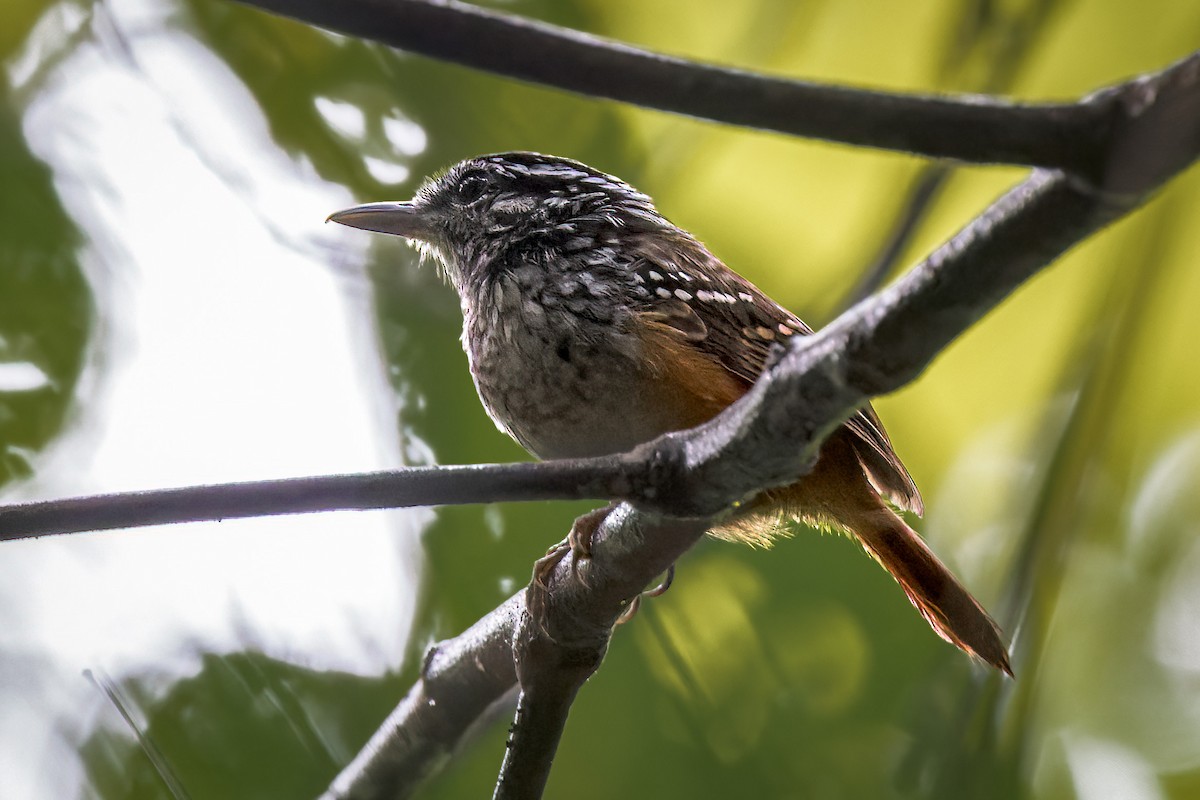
point(45, 305)
point(245, 726)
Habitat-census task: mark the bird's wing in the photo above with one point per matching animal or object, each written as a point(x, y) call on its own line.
point(728, 317)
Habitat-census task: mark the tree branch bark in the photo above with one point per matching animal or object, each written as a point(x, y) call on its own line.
point(972, 128)
point(459, 680)
point(605, 477)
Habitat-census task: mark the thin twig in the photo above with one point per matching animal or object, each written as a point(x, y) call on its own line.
point(558, 648)
point(533, 739)
point(595, 478)
point(158, 761)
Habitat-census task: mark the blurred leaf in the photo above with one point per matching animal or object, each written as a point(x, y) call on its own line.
point(45, 303)
point(245, 726)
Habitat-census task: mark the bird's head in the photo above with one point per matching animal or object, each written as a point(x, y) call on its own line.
point(494, 211)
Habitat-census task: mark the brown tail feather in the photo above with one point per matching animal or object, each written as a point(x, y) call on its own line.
point(945, 604)
point(837, 493)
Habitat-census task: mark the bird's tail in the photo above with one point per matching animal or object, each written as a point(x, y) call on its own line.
point(945, 604)
point(836, 493)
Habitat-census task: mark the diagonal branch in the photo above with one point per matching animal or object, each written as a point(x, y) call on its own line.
point(971, 128)
point(459, 680)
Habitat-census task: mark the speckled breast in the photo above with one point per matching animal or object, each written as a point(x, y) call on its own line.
point(559, 373)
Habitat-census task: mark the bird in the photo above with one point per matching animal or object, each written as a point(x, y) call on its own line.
point(592, 324)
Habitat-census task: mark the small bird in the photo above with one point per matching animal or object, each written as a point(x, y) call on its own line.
point(593, 324)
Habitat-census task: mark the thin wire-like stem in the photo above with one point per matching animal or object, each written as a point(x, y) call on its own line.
point(921, 196)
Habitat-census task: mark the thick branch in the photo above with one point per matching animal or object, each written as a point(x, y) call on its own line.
point(465, 675)
point(972, 128)
point(881, 344)
point(460, 679)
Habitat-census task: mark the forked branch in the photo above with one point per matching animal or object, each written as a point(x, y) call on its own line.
point(1108, 152)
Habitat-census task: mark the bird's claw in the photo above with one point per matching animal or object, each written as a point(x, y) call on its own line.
point(578, 542)
point(636, 603)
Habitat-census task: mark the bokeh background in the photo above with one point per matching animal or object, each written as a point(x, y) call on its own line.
point(173, 311)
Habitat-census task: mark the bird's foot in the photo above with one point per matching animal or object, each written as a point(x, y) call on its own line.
point(578, 542)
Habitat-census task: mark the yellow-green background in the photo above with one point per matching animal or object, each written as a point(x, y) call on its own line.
point(1057, 443)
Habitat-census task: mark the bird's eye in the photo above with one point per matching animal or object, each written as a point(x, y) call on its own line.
point(470, 188)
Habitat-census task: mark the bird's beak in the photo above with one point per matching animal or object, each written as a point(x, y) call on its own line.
point(399, 219)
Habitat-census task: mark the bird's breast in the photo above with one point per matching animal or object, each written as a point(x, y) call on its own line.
point(560, 378)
